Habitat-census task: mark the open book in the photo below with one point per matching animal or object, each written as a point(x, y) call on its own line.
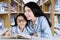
point(22, 35)
point(17, 36)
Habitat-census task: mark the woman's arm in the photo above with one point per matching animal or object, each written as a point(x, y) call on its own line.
point(45, 28)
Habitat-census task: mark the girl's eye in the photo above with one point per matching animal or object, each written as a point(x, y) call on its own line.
point(20, 20)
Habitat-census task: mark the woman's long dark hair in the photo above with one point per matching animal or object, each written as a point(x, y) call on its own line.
point(21, 14)
point(36, 10)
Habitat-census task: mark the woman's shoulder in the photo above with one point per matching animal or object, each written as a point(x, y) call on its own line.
point(42, 18)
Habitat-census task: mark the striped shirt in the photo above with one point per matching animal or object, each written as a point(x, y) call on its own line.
point(16, 30)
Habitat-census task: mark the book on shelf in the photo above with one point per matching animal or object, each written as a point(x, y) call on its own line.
point(57, 6)
point(57, 20)
point(13, 7)
point(57, 25)
point(1, 23)
point(12, 18)
point(3, 7)
point(19, 1)
point(40, 2)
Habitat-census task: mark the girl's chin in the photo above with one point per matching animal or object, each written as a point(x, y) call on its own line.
point(28, 19)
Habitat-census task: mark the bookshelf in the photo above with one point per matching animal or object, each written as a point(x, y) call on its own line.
point(14, 7)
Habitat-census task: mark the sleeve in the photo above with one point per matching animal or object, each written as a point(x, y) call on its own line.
point(46, 30)
point(13, 30)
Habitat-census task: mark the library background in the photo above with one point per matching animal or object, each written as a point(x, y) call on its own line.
point(9, 9)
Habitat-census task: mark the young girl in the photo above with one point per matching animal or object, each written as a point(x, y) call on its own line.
point(38, 25)
point(19, 27)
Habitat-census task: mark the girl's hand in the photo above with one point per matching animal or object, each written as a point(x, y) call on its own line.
point(8, 33)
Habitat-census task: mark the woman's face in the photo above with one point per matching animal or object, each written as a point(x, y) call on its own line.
point(28, 13)
point(21, 22)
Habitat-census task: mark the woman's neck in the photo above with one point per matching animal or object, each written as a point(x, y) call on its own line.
point(33, 20)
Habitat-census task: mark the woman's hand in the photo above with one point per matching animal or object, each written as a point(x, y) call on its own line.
point(35, 34)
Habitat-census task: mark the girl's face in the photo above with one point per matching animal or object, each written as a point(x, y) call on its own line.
point(21, 22)
point(28, 13)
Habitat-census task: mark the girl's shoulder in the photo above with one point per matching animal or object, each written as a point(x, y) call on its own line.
point(14, 27)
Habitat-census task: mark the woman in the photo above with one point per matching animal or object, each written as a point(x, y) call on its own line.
point(19, 27)
point(38, 24)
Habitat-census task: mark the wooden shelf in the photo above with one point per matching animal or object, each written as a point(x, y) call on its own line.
point(57, 13)
point(4, 12)
point(47, 12)
point(20, 12)
point(14, 12)
point(47, 2)
point(40, 4)
point(15, 1)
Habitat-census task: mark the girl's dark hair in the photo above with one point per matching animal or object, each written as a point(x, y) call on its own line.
point(36, 10)
point(21, 14)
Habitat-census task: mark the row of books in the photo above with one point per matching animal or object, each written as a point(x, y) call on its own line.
point(13, 6)
point(2, 22)
point(57, 6)
point(12, 19)
point(57, 21)
point(4, 7)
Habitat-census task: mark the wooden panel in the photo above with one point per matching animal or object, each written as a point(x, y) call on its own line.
point(45, 8)
point(52, 16)
point(6, 20)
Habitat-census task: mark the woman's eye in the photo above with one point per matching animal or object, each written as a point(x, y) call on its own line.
point(24, 11)
point(28, 10)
